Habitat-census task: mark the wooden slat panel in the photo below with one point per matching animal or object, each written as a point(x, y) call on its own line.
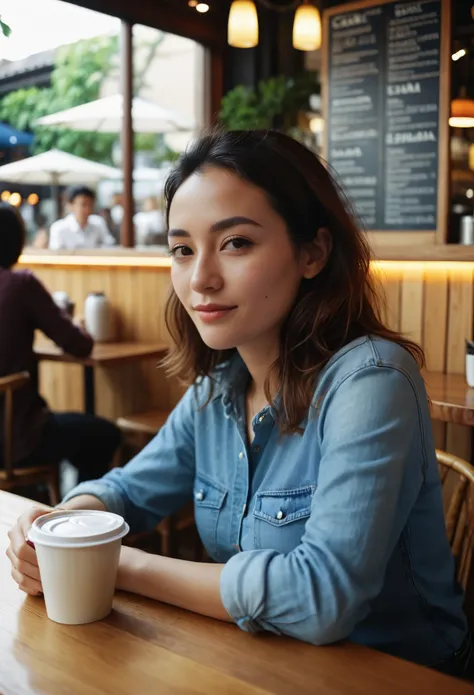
point(435, 319)
point(459, 319)
point(388, 288)
point(411, 304)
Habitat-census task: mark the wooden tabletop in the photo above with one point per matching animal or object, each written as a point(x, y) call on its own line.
point(103, 354)
point(147, 647)
point(452, 400)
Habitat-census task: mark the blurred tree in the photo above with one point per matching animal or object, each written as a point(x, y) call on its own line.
point(78, 74)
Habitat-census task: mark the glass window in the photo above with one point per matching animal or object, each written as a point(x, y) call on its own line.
point(48, 67)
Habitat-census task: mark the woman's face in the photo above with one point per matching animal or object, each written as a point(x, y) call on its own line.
point(234, 267)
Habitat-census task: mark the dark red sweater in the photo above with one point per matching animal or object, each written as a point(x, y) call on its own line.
point(26, 305)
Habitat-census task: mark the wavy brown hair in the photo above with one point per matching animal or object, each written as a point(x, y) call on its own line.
point(332, 309)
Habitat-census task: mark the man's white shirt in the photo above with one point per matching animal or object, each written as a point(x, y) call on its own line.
point(68, 233)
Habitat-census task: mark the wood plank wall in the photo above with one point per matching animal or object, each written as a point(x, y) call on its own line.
point(432, 303)
point(429, 302)
point(138, 297)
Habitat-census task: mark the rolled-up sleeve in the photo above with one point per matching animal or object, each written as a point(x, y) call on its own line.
point(367, 426)
point(159, 480)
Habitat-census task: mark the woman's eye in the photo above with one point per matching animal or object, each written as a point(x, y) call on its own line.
point(180, 251)
point(237, 243)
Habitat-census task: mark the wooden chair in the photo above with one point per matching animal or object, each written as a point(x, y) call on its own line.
point(139, 429)
point(11, 477)
point(142, 427)
point(457, 479)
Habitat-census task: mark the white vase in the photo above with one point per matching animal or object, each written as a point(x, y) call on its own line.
point(470, 370)
point(98, 317)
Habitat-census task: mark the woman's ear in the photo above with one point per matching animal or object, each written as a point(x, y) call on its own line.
point(316, 253)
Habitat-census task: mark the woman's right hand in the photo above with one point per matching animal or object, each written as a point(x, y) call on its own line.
point(22, 555)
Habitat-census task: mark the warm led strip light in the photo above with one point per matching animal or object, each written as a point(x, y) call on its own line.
point(131, 261)
point(97, 261)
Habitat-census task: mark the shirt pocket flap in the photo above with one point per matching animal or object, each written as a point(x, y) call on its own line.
point(208, 493)
point(280, 507)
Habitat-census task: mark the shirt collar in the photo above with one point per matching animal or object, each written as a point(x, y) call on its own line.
point(231, 380)
point(74, 224)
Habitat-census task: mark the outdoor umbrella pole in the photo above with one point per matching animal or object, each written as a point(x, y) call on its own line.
point(55, 195)
point(127, 232)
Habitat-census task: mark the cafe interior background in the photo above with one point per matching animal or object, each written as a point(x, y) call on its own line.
point(173, 60)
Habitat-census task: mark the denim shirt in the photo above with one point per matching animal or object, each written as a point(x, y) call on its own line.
point(335, 533)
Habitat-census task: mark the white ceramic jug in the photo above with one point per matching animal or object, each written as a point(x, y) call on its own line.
point(98, 317)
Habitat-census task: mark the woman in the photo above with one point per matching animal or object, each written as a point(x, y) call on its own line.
point(39, 435)
point(306, 439)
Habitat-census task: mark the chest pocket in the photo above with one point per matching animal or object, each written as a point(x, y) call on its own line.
point(280, 517)
point(209, 497)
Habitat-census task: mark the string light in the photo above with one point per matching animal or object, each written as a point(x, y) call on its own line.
point(15, 199)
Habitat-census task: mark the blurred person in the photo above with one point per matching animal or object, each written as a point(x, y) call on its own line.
point(116, 209)
point(39, 435)
point(150, 225)
point(81, 229)
point(114, 229)
point(41, 237)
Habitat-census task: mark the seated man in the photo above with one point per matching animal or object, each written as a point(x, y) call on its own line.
point(80, 229)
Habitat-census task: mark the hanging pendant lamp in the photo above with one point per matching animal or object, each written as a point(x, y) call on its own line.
point(242, 28)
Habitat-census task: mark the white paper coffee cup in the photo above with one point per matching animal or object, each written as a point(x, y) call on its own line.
point(78, 554)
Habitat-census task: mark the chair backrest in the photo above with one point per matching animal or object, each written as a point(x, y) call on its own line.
point(457, 478)
point(9, 384)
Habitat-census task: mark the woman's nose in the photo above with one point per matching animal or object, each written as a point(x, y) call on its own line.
point(206, 276)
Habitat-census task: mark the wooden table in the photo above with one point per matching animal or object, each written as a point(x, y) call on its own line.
point(103, 355)
point(452, 400)
point(145, 647)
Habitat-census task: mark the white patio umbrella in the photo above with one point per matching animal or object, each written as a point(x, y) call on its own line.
point(105, 116)
point(54, 168)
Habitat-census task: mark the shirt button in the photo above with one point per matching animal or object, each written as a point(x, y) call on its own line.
point(280, 515)
point(241, 455)
point(256, 449)
point(200, 495)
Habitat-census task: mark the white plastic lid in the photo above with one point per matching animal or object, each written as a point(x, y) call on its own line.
point(77, 528)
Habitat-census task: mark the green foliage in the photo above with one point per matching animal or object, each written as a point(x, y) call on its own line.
point(274, 103)
point(5, 29)
point(148, 142)
point(79, 71)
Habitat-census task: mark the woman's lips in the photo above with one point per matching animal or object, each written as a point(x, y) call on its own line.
point(213, 312)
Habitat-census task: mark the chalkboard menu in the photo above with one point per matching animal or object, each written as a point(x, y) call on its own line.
point(383, 66)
